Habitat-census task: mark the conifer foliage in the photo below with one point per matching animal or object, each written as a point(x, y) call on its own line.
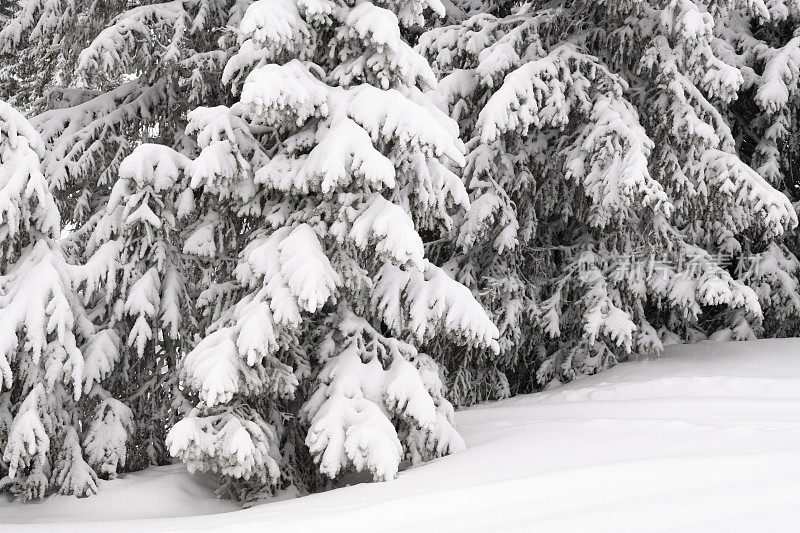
point(296, 232)
point(137, 286)
point(51, 355)
point(615, 201)
point(337, 294)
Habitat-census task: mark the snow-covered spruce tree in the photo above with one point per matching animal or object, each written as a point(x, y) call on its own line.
point(139, 287)
point(768, 123)
point(24, 74)
point(612, 200)
point(337, 295)
point(114, 74)
point(51, 355)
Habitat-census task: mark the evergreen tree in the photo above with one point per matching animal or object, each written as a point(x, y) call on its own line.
point(140, 290)
point(110, 75)
point(301, 273)
point(611, 198)
point(343, 162)
point(104, 76)
point(51, 355)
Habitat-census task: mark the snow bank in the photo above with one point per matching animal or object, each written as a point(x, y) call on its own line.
point(168, 491)
point(707, 437)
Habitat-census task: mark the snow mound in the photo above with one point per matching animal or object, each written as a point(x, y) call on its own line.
point(166, 491)
point(706, 437)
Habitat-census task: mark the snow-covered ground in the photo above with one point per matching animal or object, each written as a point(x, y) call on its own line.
point(705, 438)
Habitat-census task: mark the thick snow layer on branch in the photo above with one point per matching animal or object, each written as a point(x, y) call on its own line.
point(737, 180)
point(25, 199)
point(387, 115)
point(692, 30)
point(212, 368)
point(275, 25)
point(780, 77)
point(428, 301)
point(344, 151)
point(201, 241)
point(306, 270)
point(261, 267)
point(28, 439)
point(232, 441)
point(293, 270)
point(101, 352)
point(229, 152)
point(240, 359)
point(352, 410)
point(155, 165)
point(390, 230)
point(285, 94)
point(37, 300)
point(385, 54)
point(530, 95)
point(346, 147)
point(610, 157)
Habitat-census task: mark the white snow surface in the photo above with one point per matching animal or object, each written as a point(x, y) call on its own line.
point(704, 438)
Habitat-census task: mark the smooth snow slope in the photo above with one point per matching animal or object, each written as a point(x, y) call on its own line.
point(706, 438)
